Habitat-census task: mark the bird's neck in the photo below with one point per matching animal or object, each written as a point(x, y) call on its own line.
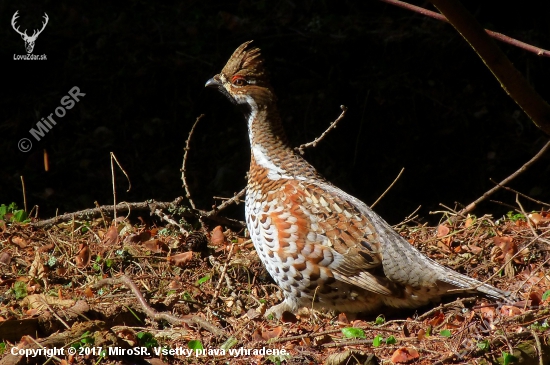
point(271, 152)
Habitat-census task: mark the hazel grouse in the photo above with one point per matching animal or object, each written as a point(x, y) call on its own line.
point(323, 247)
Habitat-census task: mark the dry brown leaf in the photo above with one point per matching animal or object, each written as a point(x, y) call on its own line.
point(257, 335)
point(510, 310)
point(111, 237)
point(39, 301)
point(474, 249)
point(536, 218)
point(180, 259)
point(37, 269)
point(442, 231)
point(272, 333)
point(468, 222)
point(155, 245)
point(5, 258)
point(217, 238)
point(252, 313)
point(18, 241)
point(88, 292)
point(342, 318)
point(436, 319)
point(83, 256)
point(404, 355)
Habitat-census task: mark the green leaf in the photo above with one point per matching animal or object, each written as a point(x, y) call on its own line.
point(352, 332)
point(203, 280)
point(19, 216)
point(195, 345)
point(20, 289)
point(2, 348)
point(3, 210)
point(147, 339)
point(483, 345)
point(391, 340)
point(429, 331)
point(508, 358)
point(377, 341)
point(445, 333)
point(229, 343)
point(546, 295)
point(379, 320)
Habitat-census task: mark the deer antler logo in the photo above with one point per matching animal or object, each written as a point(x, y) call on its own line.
point(29, 41)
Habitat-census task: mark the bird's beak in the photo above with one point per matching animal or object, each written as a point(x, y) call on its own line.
point(213, 82)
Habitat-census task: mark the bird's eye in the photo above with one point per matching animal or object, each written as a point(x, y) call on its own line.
point(238, 80)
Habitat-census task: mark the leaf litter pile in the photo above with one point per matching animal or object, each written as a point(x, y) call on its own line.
point(105, 291)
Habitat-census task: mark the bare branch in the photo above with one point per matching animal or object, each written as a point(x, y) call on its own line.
point(318, 139)
point(510, 79)
point(499, 36)
point(525, 166)
point(185, 185)
point(389, 187)
point(150, 205)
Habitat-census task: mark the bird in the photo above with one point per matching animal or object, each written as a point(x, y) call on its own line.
point(323, 247)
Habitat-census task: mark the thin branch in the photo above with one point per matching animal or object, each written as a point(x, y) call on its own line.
point(168, 219)
point(153, 314)
point(318, 139)
point(140, 206)
point(24, 194)
point(225, 204)
point(113, 158)
point(499, 36)
point(222, 275)
point(510, 79)
point(185, 185)
point(521, 194)
point(389, 187)
point(525, 166)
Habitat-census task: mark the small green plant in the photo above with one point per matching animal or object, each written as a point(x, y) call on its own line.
point(278, 359)
point(195, 345)
point(379, 320)
point(85, 340)
point(391, 340)
point(483, 345)
point(12, 214)
point(203, 280)
point(445, 333)
point(546, 295)
point(20, 289)
point(352, 332)
point(146, 339)
point(2, 348)
point(377, 341)
point(515, 216)
point(508, 358)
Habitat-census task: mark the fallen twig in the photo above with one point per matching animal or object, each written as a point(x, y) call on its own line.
point(150, 205)
point(153, 314)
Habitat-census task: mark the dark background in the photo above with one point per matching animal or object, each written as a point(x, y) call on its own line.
point(418, 98)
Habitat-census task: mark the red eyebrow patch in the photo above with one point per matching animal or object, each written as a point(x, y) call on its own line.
point(237, 77)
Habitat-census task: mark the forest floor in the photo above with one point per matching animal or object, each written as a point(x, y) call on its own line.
point(100, 293)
